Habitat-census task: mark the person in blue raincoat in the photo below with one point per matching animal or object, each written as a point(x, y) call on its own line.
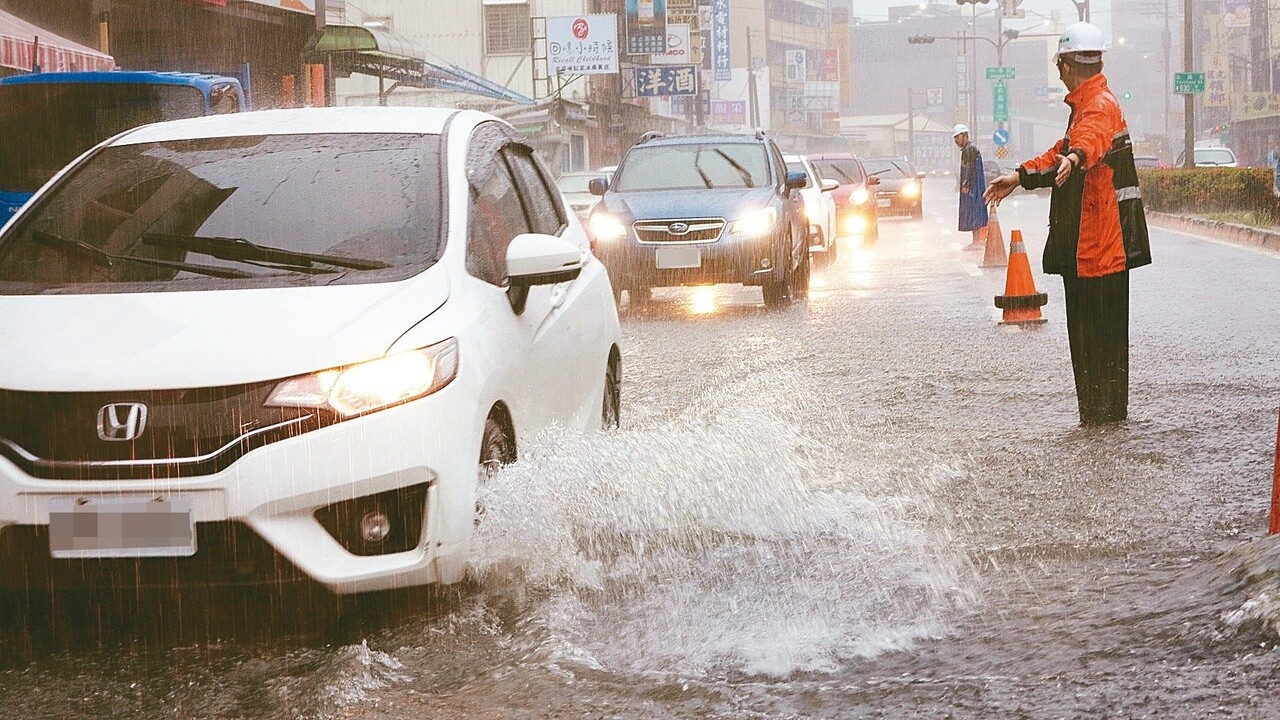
point(973, 209)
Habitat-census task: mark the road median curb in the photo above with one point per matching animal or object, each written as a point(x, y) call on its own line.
point(1231, 232)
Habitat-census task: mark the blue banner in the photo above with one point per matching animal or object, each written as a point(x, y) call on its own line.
point(646, 26)
point(720, 40)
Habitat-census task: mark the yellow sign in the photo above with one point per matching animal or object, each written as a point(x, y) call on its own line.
point(1254, 105)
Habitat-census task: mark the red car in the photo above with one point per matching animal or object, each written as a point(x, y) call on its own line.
point(855, 198)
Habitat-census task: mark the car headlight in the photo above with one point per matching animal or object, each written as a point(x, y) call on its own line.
point(859, 196)
point(855, 225)
point(755, 223)
point(606, 227)
point(364, 387)
point(910, 189)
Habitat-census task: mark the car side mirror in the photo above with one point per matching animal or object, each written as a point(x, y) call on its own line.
point(598, 186)
point(797, 179)
point(829, 185)
point(873, 180)
point(536, 259)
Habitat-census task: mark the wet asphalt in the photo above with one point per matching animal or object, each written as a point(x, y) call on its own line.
point(877, 503)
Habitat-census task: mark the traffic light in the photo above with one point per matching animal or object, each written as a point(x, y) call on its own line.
point(972, 2)
point(921, 39)
point(1126, 95)
point(1011, 9)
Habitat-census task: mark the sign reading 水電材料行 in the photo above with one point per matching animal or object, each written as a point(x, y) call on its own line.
point(666, 80)
point(582, 44)
point(720, 40)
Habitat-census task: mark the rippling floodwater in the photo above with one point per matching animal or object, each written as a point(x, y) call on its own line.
point(874, 505)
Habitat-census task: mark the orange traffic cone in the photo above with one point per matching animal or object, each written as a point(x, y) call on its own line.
point(994, 256)
point(1020, 302)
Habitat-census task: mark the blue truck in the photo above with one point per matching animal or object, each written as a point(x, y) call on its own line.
point(49, 119)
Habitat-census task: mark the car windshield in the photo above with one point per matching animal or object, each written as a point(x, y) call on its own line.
point(845, 171)
point(795, 166)
point(47, 125)
point(575, 183)
point(160, 216)
point(690, 166)
point(887, 168)
point(1214, 156)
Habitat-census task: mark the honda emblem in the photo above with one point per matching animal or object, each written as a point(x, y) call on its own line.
point(121, 421)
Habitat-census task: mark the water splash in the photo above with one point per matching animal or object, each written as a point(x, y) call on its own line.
point(728, 539)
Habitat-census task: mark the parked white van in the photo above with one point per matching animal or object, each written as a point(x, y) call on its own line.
point(287, 345)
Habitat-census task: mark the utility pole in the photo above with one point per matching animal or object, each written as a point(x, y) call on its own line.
point(1188, 99)
point(752, 97)
point(911, 126)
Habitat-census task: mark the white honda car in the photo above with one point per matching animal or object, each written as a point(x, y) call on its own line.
point(819, 208)
point(287, 345)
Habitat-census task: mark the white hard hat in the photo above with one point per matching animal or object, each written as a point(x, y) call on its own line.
point(959, 130)
point(1082, 37)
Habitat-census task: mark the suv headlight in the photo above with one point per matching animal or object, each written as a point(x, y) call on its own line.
point(755, 223)
point(910, 189)
point(373, 385)
point(605, 227)
point(859, 196)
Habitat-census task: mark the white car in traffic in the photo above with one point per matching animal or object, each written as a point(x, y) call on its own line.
point(819, 208)
point(287, 345)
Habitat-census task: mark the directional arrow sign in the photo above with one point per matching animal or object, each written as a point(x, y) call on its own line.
point(1000, 137)
point(1188, 83)
point(1000, 73)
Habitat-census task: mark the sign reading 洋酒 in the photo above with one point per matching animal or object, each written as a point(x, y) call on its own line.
point(666, 80)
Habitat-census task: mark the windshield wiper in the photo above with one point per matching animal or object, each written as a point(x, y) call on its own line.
point(697, 165)
point(239, 249)
point(104, 259)
point(746, 176)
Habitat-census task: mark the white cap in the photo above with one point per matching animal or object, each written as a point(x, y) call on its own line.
point(1082, 38)
point(959, 130)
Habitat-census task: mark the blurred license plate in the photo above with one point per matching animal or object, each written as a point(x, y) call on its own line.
point(883, 202)
point(121, 527)
point(684, 256)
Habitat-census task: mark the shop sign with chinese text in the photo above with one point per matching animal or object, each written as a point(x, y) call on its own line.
point(582, 45)
point(666, 80)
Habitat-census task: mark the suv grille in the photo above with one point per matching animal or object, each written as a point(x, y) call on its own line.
point(679, 231)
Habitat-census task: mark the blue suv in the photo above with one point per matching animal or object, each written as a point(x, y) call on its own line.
point(701, 209)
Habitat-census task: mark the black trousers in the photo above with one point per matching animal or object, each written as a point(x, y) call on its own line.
point(1098, 331)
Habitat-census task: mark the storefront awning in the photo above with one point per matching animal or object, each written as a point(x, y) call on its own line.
point(359, 50)
point(24, 46)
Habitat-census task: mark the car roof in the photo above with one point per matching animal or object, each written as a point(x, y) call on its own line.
point(299, 121)
point(795, 158)
point(700, 139)
point(833, 156)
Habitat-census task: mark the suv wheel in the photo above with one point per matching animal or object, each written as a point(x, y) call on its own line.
point(777, 293)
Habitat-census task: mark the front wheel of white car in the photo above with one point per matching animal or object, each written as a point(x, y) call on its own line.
point(611, 411)
point(496, 450)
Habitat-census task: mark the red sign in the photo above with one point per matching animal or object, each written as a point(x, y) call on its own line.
point(831, 65)
point(581, 28)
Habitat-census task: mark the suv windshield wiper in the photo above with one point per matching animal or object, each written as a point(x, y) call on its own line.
point(104, 259)
point(746, 176)
point(239, 249)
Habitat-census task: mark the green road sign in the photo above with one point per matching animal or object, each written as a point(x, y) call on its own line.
point(1188, 83)
point(1000, 102)
point(1000, 73)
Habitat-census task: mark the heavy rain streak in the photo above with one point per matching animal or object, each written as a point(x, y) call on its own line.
point(639, 359)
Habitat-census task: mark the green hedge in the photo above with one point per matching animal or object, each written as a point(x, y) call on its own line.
point(1210, 190)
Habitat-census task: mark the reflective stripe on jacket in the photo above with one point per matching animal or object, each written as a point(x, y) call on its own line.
point(1099, 204)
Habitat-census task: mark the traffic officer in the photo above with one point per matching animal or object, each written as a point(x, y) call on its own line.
point(1097, 229)
point(973, 209)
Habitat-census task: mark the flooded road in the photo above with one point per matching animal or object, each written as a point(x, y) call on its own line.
point(876, 504)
